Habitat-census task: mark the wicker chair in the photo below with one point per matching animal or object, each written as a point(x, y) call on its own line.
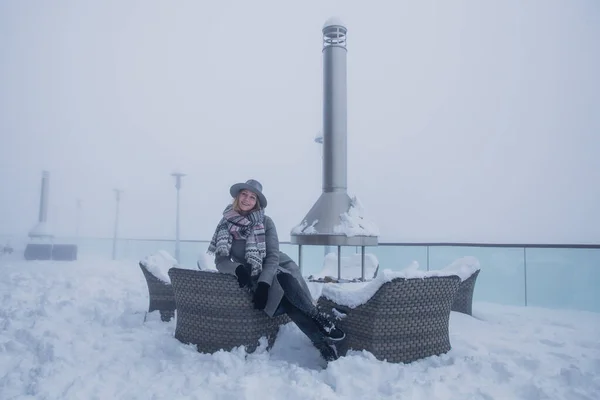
point(161, 295)
point(214, 313)
point(463, 301)
point(405, 320)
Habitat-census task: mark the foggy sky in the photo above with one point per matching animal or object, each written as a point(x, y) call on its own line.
point(466, 121)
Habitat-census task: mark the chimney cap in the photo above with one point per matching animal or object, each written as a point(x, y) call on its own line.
point(333, 21)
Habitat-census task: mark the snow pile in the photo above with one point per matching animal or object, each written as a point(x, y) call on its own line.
point(463, 267)
point(159, 263)
point(304, 229)
point(352, 223)
point(357, 294)
point(353, 295)
point(206, 262)
point(355, 223)
point(76, 330)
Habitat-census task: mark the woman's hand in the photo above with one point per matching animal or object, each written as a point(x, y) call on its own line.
point(261, 295)
point(243, 276)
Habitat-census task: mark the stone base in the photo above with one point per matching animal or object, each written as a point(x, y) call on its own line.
point(48, 251)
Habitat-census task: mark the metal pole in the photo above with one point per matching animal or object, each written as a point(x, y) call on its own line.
point(300, 258)
point(177, 229)
point(78, 221)
point(362, 263)
point(114, 249)
point(178, 176)
point(525, 272)
point(427, 258)
point(43, 215)
point(339, 260)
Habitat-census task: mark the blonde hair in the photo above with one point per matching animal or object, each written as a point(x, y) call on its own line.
point(236, 203)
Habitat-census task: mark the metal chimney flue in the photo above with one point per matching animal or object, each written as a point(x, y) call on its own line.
point(334, 109)
point(321, 225)
point(42, 245)
point(41, 230)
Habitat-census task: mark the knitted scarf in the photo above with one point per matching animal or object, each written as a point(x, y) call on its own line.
point(236, 226)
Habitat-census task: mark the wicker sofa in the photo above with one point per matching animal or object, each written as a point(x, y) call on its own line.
point(463, 301)
point(405, 320)
point(161, 295)
point(214, 313)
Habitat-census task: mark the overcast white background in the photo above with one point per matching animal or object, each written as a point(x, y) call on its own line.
point(467, 120)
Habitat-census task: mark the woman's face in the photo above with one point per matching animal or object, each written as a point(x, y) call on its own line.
point(246, 200)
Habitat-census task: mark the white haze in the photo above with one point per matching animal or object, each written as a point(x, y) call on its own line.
point(467, 121)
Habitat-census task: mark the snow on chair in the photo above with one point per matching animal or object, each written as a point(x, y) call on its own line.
point(467, 268)
point(160, 290)
point(398, 317)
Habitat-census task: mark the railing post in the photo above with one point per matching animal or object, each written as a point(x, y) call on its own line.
point(427, 258)
point(339, 260)
point(525, 272)
point(300, 258)
point(362, 263)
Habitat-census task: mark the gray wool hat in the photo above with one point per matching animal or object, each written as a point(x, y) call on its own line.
point(252, 185)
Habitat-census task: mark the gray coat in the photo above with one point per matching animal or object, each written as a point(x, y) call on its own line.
point(274, 262)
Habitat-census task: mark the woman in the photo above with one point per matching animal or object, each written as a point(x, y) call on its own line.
point(245, 244)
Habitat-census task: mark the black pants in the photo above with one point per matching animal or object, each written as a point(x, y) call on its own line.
point(299, 307)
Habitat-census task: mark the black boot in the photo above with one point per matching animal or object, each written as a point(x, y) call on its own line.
point(318, 327)
point(311, 329)
point(328, 328)
point(328, 351)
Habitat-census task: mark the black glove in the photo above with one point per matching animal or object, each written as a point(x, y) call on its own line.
point(261, 294)
point(243, 276)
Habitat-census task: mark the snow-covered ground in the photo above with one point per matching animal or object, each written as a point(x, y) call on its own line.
point(77, 331)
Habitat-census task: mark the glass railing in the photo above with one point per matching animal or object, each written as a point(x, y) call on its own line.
point(555, 276)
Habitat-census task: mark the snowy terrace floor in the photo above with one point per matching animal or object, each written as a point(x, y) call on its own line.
point(76, 331)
